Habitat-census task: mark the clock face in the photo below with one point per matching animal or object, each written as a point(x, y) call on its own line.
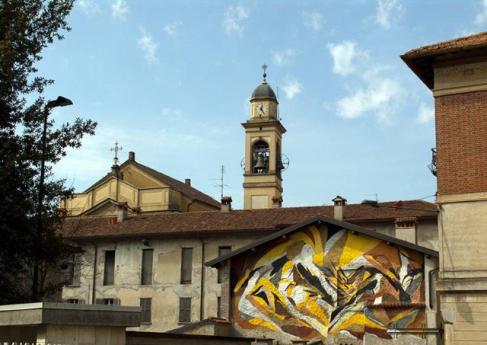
point(261, 109)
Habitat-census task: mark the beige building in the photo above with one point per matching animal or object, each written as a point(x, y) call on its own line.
point(456, 73)
point(145, 236)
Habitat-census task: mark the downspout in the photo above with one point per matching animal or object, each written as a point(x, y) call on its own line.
point(191, 203)
point(202, 282)
point(93, 297)
point(430, 274)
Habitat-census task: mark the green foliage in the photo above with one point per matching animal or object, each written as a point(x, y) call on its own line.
point(30, 244)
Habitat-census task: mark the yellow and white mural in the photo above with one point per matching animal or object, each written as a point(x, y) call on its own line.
point(317, 282)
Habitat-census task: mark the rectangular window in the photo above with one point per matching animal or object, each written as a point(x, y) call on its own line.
point(185, 309)
point(109, 276)
point(72, 273)
point(222, 251)
point(73, 301)
point(108, 301)
point(145, 304)
point(147, 257)
point(186, 265)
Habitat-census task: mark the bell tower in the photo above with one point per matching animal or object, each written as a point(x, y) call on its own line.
point(263, 161)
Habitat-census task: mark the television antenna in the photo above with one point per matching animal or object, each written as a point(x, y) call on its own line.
point(221, 185)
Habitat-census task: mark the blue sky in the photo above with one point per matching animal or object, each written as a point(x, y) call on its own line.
point(171, 80)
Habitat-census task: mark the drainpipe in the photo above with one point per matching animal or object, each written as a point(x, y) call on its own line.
point(191, 203)
point(202, 282)
point(93, 297)
point(430, 274)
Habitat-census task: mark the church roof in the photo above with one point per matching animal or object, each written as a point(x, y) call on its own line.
point(235, 221)
point(264, 91)
point(178, 186)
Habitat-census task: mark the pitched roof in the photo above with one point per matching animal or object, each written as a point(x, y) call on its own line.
point(329, 221)
point(271, 219)
point(178, 186)
point(421, 60)
point(458, 44)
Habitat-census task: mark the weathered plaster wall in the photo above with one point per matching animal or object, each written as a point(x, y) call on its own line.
point(166, 288)
point(321, 281)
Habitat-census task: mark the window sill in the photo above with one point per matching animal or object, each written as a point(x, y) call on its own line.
point(186, 283)
point(146, 323)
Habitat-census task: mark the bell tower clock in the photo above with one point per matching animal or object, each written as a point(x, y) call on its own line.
point(263, 162)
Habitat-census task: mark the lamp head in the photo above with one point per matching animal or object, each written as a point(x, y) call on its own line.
point(59, 102)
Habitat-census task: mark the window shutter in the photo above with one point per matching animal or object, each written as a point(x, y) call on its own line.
point(186, 265)
point(147, 262)
point(76, 270)
point(109, 273)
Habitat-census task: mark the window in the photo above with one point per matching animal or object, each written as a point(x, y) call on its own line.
point(222, 251)
point(147, 257)
point(109, 277)
point(145, 303)
point(186, 265)
point(72, 270)
point(185, 309)
point(75, 301)
point(108, 301)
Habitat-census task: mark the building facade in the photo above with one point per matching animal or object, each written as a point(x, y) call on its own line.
point(456, 73)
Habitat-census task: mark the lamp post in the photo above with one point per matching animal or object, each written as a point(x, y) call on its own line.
point(375, 204)
point(59, 102)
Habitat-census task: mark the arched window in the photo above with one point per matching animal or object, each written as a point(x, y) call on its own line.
point(260, 157)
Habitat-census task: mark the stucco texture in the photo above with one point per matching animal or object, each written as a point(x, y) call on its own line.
point(321, 281)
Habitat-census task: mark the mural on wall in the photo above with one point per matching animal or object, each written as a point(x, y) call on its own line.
point(317, 282)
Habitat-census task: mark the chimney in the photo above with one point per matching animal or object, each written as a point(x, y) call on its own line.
point(132, 156)
point(187, 182)
point(276, 201)
point(339, 207)
point(406, 229)
point(122, 211)
point(226, 204)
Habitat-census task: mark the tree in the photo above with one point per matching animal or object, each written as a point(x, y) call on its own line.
point(30, 243)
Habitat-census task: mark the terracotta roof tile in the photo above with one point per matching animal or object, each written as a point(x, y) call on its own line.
point(463, 43)
point(233, 221)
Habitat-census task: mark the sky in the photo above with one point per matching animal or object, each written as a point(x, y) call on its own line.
point(172, 80)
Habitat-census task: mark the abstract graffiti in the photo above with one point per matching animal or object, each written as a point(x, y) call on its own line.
point(319, 281)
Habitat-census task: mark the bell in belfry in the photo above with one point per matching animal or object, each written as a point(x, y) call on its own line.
point(260, 164)
point(280, 166)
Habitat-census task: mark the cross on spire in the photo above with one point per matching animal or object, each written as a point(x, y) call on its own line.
point(116, 149)
point(264, 67)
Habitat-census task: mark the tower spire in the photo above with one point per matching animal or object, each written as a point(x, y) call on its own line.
point(264, 67)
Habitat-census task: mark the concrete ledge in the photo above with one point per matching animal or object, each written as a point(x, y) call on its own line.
point(69, 314)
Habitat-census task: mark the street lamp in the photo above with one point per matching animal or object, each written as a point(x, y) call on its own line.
point(375, 204)
point(59, 102)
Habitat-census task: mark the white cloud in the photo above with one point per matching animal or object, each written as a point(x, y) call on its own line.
point(482, 14)
point(313, 20)
point(426, 114)
point(170, 113)
point(283, 58)
point(120, 9)
point(386, 11)
point(292, 87)
point(148, 46)
point(89, 7)
point(379, 96)
point(343, 55)
point(172, 29)
point(233, 18)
